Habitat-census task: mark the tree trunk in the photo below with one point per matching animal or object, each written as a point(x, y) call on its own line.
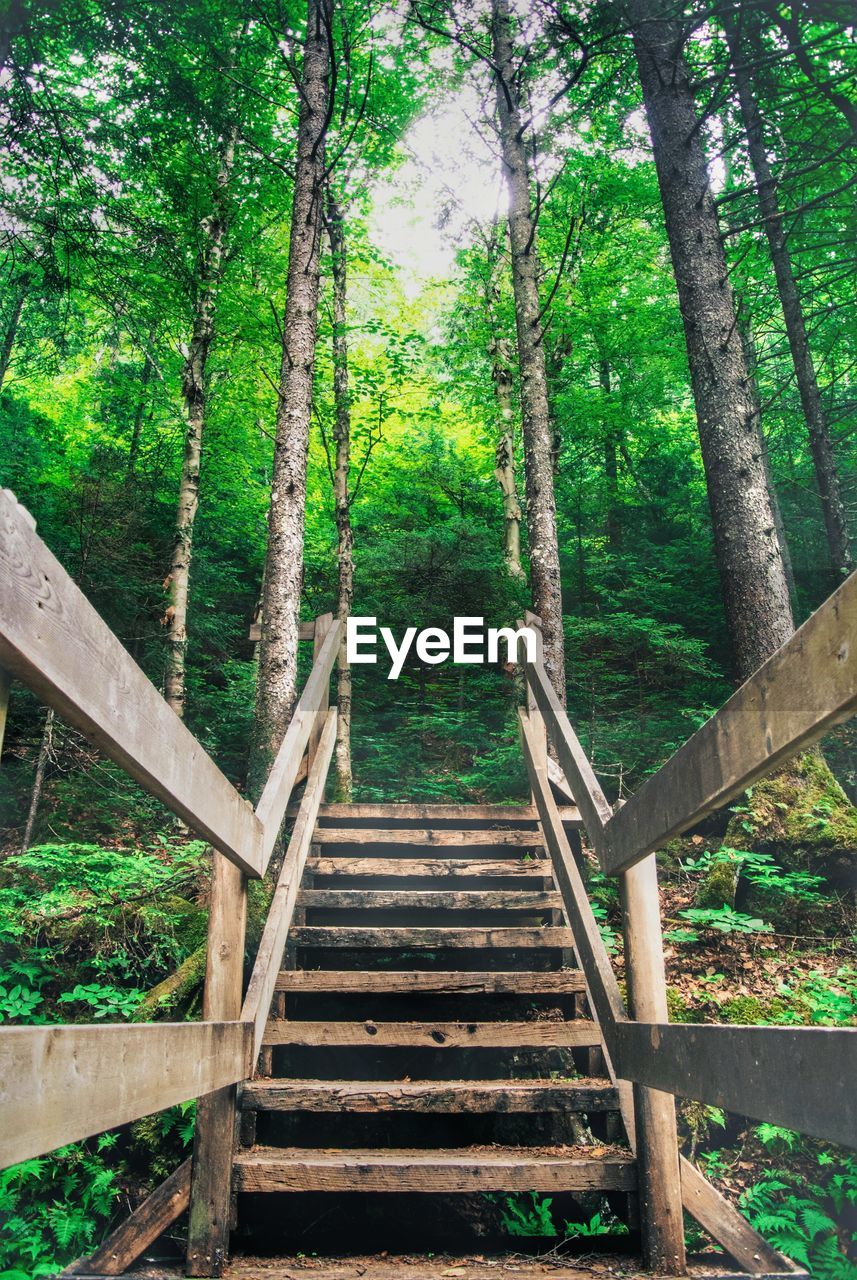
point(10, 332)
point(139, 412)
point(284, 561)
point(611, 466)
point(545, 578)
point(749, 558)
point(821, 447)
point(341, 497)
point(194, 389)
point(504, 464)
point(38, 782)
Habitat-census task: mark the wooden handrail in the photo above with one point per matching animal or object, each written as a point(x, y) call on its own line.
point(257, 1002)
point(59, 1084)
point(275, 797)
point(53, 640)
point(713, 1212)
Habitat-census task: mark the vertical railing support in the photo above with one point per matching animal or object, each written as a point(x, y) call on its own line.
point(661, 1215)
point(5, 686)
point(323, 623)
point(537, 720)
point(214, 1139)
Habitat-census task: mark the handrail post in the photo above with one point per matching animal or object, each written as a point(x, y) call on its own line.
point(214, 1137)
point(537, 720)
point(658, 1168)
point(323, 623)
point(5, 685)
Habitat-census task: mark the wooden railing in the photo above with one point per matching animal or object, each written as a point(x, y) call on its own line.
point(59, 1084)
point(797, 1077)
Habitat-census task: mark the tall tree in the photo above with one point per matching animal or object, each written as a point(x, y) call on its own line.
point(278, 650)
point(341, 467)
point(752, 576)
point(745, 50)
point(543, 545)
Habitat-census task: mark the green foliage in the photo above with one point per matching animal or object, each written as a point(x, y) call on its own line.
point(724, 919)
point(55, 1208)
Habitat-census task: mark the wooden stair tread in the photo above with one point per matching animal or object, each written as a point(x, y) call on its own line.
point(476, 868)
point(428, 813)
point(578, 1033)
point(431, 982)
point(424, 938)
point(467, 1096)
point(429, 836)
point(430, 899)
point(439, 1170)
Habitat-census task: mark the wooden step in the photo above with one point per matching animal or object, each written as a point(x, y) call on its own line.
point(448, 1096)
point(430, 899)
point(478, 869)
point(580, 1033)
point(486, 814)
point(449, 1171)
point(429, 837)
point(430, 982)
point(425, 939)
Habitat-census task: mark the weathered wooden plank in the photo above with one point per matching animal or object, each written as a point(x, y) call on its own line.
point(275, 797)
point(141, 1228)
point(661, 1213)
point(436, 1035)
point(458, 1170)
point(511, 1266)
point(53, 640)
point(431, 982)
point(5, 686)
point(428, 837)
point(429, 899)
point(797, 1077)
point(428, 814)
point(593, 805)
point(323, 623)
point(430, 1096)
point(719, 1217)
point(603, 989)
point(216, 1114)
point(474, 869)
point(263, 980)
point(805, 688)
point(306, 631)
point(62, 1083)
point(429, 939)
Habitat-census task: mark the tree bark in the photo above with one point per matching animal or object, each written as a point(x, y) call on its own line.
point(284, 561)
point(139, 412)
point(39, 780)
point(343, 780)
point(611, 466)
point(11, 332)
point(821, 446)
point(194, 392)
point(749, 557)
point(545, 577)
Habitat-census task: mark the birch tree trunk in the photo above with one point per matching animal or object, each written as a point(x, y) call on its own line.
point(11, 331)
point(194, 392)
point(749, 558)
point(821, 446)
point(278, 650)
point(341, 497)
point(611, 464)
point(39, 780)
point(545, 578)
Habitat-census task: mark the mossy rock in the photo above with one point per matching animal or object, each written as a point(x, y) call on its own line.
point(802, 816)
point(175, 916)
point(751, 1010)
point(718, 886)
point(177, 992)
point(677, 1007)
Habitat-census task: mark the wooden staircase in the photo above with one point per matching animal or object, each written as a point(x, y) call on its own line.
point(430, 996)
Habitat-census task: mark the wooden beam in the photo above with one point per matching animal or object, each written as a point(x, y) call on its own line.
point(430, 1096)
point(429, 814)
point(458, 1170)
point(306, 631)
point(805, 688)
point(216, 1115)
point(323, 623)
point(431, 981)
point(436, 1035)
point(429, 900)
point(274, 800)
point(593, 804)
point(723, 1222)
point(5, 685)
point(795, 1077)
point(472, 868)
point(53, 640)
point(602, 987)
point(659, 1179)
point(430, 837)
point(59, 1084)
point(141, 1228)
point(257, 1002)
point(358, 936)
